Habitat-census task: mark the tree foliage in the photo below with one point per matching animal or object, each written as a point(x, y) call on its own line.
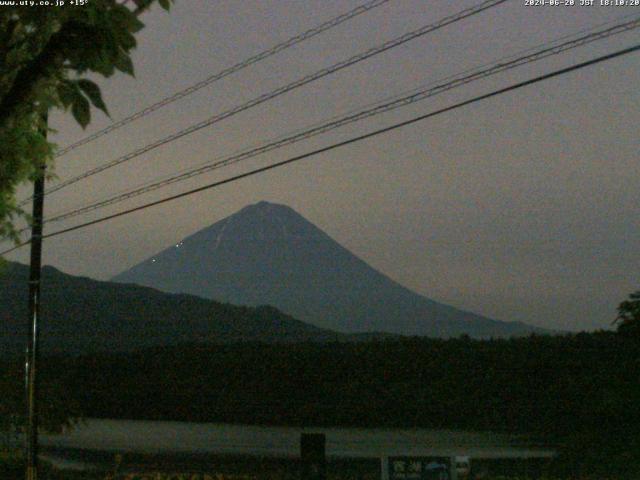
point(578, 391)
point(57, 408)
point(628, 318)
point(45, 55)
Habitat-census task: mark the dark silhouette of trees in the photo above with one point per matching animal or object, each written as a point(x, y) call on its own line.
point(628, 318)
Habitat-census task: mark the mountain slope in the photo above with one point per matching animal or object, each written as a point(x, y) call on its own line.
point(84, 315)
point(269, 254)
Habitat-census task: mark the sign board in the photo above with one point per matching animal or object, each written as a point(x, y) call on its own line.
point(418, 468)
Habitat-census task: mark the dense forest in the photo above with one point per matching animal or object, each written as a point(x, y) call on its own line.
point(535, 384)
point(579, 391)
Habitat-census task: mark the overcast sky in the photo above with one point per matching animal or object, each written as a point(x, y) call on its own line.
point(523, 207)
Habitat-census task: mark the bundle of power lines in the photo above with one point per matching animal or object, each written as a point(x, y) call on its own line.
point(531, 55)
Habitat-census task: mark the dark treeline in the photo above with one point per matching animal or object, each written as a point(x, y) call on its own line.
point(580, 388)
point(536, 384)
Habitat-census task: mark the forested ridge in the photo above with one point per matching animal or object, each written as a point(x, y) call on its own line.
point(81, 315)
point(578, 392)
point(539, 384)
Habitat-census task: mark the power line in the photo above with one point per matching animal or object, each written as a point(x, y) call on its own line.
point(285, 89)
point(334, 146)
point(334, 22)
point(352, 111)
point(415, 96)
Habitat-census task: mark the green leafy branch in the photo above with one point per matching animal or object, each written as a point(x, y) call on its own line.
point(45, 56)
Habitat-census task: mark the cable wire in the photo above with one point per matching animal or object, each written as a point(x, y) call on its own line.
point(334, 22)
point(415, 96)
point(366, 106)
point(487, 4)
point(334, 146)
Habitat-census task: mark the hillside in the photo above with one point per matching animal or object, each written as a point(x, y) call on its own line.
point(84, 315)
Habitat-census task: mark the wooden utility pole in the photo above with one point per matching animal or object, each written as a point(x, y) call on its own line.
point(31, 381)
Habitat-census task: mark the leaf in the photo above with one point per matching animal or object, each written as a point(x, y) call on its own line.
point(124, 64)
point(166, 4)
point(92, 91)
point(67, 93)
point(124, 18)
point(134, 24)
point(81, 111)
point(126, 40)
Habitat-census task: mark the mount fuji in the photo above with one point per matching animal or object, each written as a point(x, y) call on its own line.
point(268, 254)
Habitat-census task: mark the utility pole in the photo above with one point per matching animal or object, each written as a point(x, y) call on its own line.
point(31, 382)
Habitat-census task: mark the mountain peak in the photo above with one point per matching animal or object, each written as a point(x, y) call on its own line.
point(264, 208)
point(263, 204)
point(268, 254)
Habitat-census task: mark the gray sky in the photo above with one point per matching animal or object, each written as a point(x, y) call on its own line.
point(523, 207)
